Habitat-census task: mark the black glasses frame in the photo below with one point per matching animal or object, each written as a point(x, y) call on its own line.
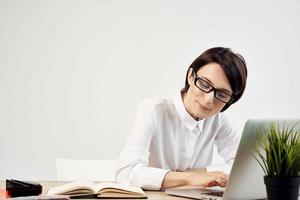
point(212, 89)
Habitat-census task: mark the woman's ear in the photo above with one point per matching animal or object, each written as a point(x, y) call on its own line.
point(190, 76)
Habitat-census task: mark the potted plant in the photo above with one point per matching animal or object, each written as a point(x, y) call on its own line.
point(280, 160)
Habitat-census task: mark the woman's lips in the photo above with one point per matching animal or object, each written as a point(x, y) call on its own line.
point(204, 107)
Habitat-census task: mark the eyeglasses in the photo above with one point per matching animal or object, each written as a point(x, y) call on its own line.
point(206, 87)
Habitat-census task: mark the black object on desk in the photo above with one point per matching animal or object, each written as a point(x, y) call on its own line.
point(16, 188)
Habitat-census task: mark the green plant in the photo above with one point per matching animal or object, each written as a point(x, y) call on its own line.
point(281, 155)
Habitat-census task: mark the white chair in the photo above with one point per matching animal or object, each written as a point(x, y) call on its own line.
point(85, 170)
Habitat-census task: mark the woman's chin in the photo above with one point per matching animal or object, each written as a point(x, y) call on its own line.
point(202, 116)
point(204, 113)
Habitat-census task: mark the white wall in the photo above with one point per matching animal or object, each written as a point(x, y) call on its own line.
point(72, 72)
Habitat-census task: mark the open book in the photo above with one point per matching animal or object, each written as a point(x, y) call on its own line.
point(99, 190)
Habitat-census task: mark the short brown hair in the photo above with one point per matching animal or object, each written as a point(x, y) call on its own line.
point(234, 67)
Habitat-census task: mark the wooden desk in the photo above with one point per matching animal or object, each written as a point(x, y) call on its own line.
point(150, 194)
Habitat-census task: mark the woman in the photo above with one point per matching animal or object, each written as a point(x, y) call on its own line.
point(171, 142)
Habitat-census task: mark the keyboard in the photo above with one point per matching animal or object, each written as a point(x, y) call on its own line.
point(215, 193)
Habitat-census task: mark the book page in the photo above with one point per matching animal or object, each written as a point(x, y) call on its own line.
point(73, 188)
point(120, 195)
point(106, 185)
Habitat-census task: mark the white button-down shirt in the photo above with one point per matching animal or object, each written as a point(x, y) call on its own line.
point(165, 137)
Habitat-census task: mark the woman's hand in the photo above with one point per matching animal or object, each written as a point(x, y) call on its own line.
point(207, 179)
point(194, 179)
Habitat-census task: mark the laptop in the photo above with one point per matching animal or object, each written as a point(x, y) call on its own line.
point(246, 178)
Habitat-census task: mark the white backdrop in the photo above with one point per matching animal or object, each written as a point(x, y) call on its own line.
point(72, 72)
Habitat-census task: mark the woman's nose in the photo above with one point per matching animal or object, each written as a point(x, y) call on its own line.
point(209, 97)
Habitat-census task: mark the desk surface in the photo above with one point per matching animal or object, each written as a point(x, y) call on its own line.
point(150, 194)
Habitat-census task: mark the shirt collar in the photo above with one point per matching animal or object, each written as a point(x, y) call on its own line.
point(187, 119)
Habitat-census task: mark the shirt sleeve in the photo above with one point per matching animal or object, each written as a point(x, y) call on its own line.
point(226, 141)
point(132, 168)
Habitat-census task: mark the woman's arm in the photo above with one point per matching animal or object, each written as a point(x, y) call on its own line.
point(133, 166)
point(197, 170)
